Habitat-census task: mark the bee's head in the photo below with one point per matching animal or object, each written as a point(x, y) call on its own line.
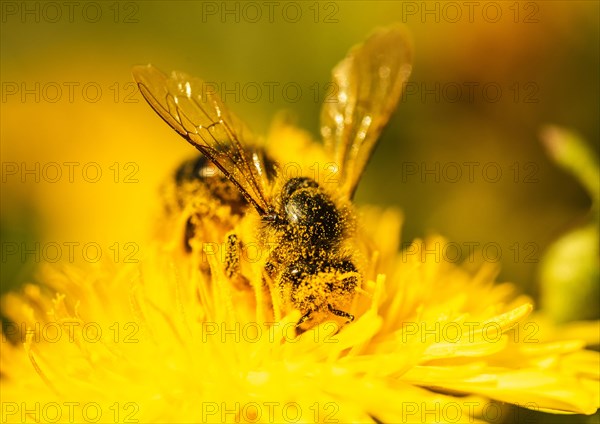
point(307, 210)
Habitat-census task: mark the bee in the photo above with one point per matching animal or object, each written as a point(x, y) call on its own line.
point(311, 263)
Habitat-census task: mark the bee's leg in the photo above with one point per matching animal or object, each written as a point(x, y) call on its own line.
point(232, 265)
point(339, 313)
point(232, 256)
point(304, 318)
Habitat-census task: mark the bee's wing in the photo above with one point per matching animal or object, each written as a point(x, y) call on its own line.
point(369, 82)
point(200, 117)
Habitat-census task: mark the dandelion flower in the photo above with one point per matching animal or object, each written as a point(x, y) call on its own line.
point(174, 339)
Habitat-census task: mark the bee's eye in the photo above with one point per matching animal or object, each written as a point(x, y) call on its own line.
point(295, 184)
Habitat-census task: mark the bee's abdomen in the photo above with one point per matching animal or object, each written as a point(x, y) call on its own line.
point(313, 283)
point(199, 177)
point(202, 190)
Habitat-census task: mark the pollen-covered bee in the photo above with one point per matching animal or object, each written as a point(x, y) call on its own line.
point(311, 263)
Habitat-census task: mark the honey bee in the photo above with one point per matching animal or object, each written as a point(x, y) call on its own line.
point(310, 264)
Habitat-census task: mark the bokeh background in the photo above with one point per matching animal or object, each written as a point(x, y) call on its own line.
point(486, 78)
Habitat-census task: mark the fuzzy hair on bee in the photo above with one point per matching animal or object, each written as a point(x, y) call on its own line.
point(307, 226)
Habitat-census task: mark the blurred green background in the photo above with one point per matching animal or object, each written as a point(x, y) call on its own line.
point(485, 79)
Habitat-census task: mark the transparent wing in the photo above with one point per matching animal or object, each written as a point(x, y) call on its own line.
point(198, 115)
point(369, 82)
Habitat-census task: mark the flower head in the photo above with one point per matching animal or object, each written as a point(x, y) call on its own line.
point(162, 341)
